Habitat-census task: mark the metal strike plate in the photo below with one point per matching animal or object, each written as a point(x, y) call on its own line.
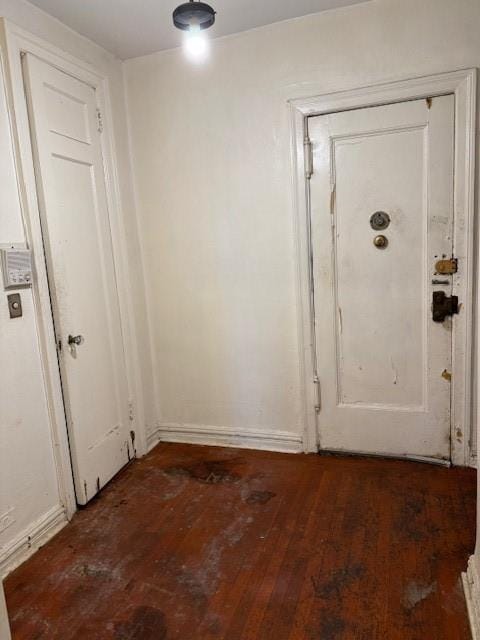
point(15, 305)
point(446, 267)
point(443, 306)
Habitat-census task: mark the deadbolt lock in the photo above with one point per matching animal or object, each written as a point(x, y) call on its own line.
point(77, 340)
point(379, 220)
point(443, 306)
point(381, 242)
point(446, 267)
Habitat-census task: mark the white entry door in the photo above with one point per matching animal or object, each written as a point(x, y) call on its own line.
point(75, 225)
point(382, 220)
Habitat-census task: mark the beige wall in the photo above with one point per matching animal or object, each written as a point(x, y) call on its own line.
point(211, 154)
point(28, 483)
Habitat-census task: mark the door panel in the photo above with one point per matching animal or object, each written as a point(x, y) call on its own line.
point(379, 292)
point(381, 358)
point(75, 225)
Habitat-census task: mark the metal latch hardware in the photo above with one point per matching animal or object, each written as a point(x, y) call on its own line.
point(443, 306)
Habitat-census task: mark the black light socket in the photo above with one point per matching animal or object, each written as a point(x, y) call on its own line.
point(191, 14)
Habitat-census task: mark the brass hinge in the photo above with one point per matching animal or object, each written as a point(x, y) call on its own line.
point(308, 151)
point(99, 121)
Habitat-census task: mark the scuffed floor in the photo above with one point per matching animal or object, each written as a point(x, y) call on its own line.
point(207, 543)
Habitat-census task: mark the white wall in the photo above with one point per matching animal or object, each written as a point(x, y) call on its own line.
point(29, 494)
point(28, 483)
point(211, 163)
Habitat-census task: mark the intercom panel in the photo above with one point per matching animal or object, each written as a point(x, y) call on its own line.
point(16, 267)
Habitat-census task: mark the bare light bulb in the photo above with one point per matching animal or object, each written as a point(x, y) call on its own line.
point(196, 44)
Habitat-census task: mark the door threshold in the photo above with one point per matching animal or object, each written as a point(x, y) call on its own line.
point(368, 454)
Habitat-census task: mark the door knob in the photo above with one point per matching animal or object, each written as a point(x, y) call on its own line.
point(78, 340)
point(381, 242)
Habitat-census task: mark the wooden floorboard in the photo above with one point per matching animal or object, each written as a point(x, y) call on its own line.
point(204, 543)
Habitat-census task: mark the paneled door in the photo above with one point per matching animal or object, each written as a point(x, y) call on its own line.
point(382, 241)
point(76, 231)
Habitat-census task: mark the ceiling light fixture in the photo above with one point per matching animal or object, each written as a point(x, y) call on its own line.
point(193, 16)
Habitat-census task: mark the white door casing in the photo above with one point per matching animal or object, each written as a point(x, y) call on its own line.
point(383, 364)
point(77, 238)
point(4, 624)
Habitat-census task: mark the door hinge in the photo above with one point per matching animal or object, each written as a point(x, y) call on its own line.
point(59, 344)
point(131, 411)
point(99, 121)
point(333, 202)
point(316, 382)
point(308, 152)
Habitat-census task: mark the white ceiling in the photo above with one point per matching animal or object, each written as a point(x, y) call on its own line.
point(130, 28)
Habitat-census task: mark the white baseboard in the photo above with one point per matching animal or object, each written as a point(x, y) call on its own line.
point(263, 439)
point(471, 586)
point(31, 540)
point(153, 438)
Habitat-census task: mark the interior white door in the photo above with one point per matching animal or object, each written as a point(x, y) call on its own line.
point(75, 224)
point(383, 363)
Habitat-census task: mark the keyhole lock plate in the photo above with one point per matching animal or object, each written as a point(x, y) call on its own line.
point(381, 242)
point(380, 221)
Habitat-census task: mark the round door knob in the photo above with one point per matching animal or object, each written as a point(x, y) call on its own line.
point(380, 242)
point(78, 340)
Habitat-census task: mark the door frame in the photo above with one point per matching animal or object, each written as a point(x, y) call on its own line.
point(14, 43)
point(462, 84)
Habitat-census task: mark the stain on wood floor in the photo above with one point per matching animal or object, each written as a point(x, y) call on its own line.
point(203, 543)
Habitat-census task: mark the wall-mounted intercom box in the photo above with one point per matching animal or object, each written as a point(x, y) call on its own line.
point(16, 267)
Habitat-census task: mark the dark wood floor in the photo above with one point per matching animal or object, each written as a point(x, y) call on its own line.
point(207, 543)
